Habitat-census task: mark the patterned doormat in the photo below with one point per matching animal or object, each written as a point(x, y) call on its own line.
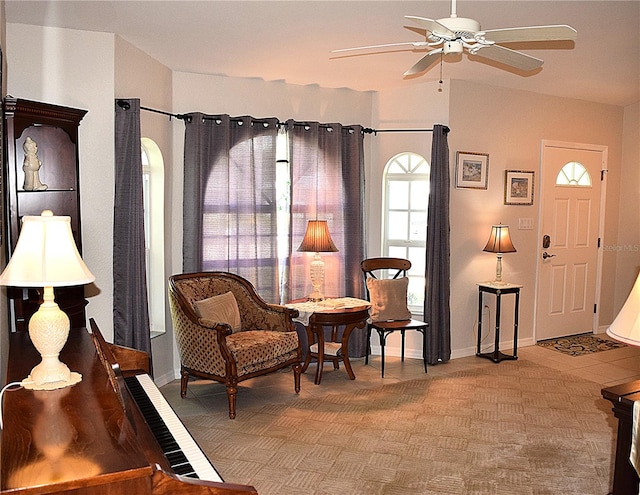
point(579, 345)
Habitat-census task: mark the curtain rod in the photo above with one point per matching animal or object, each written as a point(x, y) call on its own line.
point(126, 106)
point(366, 130)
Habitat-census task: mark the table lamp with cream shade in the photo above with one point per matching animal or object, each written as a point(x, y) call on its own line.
point(46, 256)
point(499, 242)
point(317, 239)
point(626, 326)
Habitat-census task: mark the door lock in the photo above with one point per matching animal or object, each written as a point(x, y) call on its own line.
point(546, 241)
point(546, 255)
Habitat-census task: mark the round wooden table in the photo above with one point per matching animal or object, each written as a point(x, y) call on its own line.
point(335, 349)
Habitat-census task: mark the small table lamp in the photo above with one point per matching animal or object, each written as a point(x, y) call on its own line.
point(46, 256)
point(317, 239)
point(626, 326)
point(499, 242)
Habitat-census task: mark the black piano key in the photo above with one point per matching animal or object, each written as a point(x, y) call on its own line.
point(170, 448)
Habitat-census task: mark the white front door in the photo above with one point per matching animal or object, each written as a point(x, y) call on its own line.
point(570, 211)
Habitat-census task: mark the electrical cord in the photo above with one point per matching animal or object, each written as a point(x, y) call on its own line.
point(18, 386)
point(475, 325)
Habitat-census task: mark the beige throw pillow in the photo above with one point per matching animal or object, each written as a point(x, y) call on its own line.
point(222, 308)
point(388, 299)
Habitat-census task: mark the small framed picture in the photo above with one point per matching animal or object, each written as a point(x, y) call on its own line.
point(472, 170)
point(518, 187)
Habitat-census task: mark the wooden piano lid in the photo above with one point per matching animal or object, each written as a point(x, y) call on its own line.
point(69, 438)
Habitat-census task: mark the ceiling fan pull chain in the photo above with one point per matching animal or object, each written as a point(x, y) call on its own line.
point(440, 81)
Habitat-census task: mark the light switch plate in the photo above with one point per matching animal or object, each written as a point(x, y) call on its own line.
point(525, 223)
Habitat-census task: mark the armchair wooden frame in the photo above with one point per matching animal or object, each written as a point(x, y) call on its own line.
point(397, 268)
point(211, 350)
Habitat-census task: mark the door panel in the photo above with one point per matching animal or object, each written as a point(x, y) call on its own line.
point(570, 216)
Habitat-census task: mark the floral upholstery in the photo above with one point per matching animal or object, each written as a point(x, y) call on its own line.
point(266, 341)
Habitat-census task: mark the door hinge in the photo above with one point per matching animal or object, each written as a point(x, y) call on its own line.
point(595, 308)
point(598, 242)
point(602, 172)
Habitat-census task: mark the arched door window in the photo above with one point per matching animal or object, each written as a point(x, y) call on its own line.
point(573, 174)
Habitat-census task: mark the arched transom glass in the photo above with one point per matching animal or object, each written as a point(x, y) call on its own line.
point(573, 174)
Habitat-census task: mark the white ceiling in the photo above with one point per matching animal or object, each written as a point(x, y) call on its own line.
point(291, 40)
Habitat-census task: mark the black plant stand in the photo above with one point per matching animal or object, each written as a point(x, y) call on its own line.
point(498, 289)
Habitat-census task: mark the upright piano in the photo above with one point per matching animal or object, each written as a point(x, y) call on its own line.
point(112, 433)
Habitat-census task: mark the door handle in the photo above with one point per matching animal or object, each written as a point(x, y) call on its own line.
point(546, 255)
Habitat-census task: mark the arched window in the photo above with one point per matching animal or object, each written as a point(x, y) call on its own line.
point(406, 195)
point(153, 192)
point(573, 174)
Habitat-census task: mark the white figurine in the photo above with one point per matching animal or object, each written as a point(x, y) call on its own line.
point(31, 166)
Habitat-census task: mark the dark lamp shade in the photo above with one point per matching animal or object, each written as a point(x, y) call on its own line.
point(317, 238)
point(499, 240)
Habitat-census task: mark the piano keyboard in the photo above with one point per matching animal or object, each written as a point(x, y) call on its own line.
point(179, 447)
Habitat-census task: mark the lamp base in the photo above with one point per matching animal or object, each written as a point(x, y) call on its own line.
point(48, 330)
point(32, 383)
point(317, 279)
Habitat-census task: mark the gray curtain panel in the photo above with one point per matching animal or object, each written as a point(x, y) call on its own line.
point(327, 183)
point(130, 306)
point(438, 280)
point(230, 208)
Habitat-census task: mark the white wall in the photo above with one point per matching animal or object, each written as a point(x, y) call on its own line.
point(627, 247)
point(510, 125)
point(75, 69)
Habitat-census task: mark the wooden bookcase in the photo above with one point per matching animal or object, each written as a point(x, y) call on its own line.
point(55, 131)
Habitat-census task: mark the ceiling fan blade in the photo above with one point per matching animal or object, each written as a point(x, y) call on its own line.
point(418, 30)
point(532, 33)
point(424, 63)
point(431, 25)
point(415, 44)
point(510, 57)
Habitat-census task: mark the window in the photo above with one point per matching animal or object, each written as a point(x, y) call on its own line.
point(406, 195)
point(153, 193)
point(573, 174)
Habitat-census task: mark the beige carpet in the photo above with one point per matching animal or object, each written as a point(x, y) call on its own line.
point(515, 429)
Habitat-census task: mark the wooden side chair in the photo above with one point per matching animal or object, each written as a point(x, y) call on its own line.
point(386, 284)
point(226, 332)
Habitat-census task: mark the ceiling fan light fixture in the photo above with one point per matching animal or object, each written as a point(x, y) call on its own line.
point(452, 47)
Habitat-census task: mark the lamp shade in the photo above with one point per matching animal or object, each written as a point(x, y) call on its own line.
point(499, 240)
point(317, 238)
point(626, 326)
point(46, 255)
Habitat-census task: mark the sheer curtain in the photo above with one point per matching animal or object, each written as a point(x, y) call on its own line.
point(130, 304)
point(436, 301)
point(327, 183)
point(230, 207)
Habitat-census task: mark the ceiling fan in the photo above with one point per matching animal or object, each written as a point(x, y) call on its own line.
point(455, 34)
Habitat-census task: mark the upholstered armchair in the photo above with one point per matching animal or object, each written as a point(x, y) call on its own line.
point(226, 332)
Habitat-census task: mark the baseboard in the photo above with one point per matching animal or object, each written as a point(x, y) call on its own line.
point(455, 353)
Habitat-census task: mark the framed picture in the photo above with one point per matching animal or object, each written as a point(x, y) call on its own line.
point(518, 187)
point(472, 170)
